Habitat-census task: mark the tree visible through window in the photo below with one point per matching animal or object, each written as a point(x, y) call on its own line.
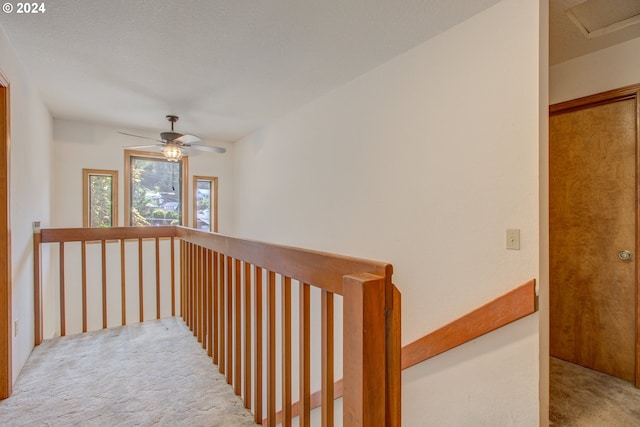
point(100, 201)
point(156, 190)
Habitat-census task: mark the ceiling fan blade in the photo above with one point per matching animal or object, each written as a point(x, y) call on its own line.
point(187, 139)
point(143, 137)
point(208, 148)
point(134, 147)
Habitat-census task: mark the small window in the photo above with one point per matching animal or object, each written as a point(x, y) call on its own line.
point(99, 198)
point(155, 189)
point(205, 203)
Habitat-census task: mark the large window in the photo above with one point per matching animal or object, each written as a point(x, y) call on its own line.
point(205, 203)
point(155, 189)
point(99, 198)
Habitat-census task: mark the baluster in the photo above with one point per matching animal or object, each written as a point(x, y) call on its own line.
point(229, 320)
point(185, 283)
point(103, 248)
point(237, 382)
point(247, 335)
point(63, 321)
point(84, 285)
point(157, 278)
point(221, 356)
point(185, 286)
point(183, 280)
point(216, 310)
point(140, 281)
point(123, 288)
point(209, 288)
point(192, 284)
point(257, 273)
point(271, 349)
point(192, 287)
point(327, 358)
point(203, 297)
point(196, 292)
point(305, 356)
point(286, 351)
point(201, 335)
point(173, 277)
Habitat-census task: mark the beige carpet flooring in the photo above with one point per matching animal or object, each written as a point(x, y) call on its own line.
point(582, 397)
point(149, 374)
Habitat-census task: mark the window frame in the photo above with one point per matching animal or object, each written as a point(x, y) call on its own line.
point(184, 195)
point(86, 175)
point(213, 201)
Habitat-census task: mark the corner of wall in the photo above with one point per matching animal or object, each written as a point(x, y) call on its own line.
point(543, 280)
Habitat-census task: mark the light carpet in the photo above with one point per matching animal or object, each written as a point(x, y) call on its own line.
point(148, 374)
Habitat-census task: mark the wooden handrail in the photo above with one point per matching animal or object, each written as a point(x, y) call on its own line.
point(49, 235)
point(222, 280)
point(322, 269)
point(512, 306)
point(508, 308)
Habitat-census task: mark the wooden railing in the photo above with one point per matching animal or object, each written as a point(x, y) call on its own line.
point(231, 294)
point(104, 237)
point(514, 305)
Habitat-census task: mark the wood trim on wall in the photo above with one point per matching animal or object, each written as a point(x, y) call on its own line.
point(86, 173)
point(127, 183)
point(6, 315)
point(626, 92)
point(213, 202)
point(508, 308)
point(596, 99)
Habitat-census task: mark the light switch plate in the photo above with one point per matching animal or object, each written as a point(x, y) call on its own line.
point(513, 239)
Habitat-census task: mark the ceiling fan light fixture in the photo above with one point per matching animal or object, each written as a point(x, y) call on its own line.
point(173, 143)
point(172, 152)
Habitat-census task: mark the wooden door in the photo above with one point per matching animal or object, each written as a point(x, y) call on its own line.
point(593, 212)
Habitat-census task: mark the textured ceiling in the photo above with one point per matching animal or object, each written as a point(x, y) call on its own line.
point(227, 67)
point(566, 40)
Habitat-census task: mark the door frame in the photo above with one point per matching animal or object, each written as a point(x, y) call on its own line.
point(6, 329)
point(624, 93)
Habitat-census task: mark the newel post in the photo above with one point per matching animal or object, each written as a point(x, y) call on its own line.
point(37, 285)
point(371, 351)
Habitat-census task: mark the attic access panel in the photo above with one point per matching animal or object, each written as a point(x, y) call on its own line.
point(596, 18)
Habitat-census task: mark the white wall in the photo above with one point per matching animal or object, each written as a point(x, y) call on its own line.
point(424, 162)
point(599, 71)
point(30, 170)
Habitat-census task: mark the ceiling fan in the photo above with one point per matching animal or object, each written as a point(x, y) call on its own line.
point(174, 143)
